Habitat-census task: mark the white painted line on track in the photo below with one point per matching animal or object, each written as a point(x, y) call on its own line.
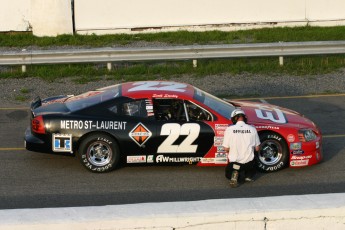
point(323, 211)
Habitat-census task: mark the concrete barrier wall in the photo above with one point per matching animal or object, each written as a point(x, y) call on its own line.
point(157, 13)
point(53, 17)
point(15, 15)
point(117, 16)
point(324, 211)
point(42, 17)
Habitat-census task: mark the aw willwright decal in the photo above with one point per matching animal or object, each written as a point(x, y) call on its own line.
point(140, 134)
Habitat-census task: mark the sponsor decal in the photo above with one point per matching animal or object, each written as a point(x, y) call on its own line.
point(220, 149)
point(74, 124)
point(266, 127)
point(295, 146)
point(273, 114)
point(221, 161)
point(299, 163)
point(221, 158)
point(150, 159)
point(149, 107)
point(297, 152)
point(301, 157)
point(207, 160)
point(290, 138)
point(220, 132)
point(218, 141)
point(62, 142)
point(136, 159)
point(221, 126)
point(167, 159)
point(140, 134)
point(84, 95)
point(221, 155)
point(317, 145)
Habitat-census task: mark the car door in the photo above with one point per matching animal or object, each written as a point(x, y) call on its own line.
point(182, 135)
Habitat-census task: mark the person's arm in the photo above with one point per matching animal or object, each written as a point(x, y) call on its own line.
point(257, 142)
point(226, 141)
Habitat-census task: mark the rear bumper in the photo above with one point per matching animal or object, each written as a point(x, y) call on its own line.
point(33, 143)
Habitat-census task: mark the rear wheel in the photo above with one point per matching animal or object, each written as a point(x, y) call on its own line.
point(99, 153)
point(273, 154)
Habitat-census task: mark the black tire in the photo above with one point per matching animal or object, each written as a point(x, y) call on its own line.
point(99, 153)
point(273, 154)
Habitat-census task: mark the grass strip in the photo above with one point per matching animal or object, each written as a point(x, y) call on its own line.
point(266, 35)
point(82, 73)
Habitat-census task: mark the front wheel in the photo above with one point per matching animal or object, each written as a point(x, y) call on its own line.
point(273, 154)
point(99, 153)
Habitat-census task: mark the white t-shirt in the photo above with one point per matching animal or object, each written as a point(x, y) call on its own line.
point(241, 139)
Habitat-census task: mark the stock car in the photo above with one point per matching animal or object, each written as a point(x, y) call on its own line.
point(162, 122)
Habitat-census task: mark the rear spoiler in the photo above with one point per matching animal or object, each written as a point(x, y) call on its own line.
point(37, 102)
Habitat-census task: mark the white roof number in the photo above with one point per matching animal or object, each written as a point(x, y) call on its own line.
point(162, 86)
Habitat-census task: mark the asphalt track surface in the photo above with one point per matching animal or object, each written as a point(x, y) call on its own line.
point(38, 180)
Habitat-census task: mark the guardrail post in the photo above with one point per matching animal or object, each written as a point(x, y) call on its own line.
point(109, 66)
point(23, 68)
point(281, 60)
point(195, 63)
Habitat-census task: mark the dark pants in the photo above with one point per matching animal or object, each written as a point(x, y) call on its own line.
point(246, 170)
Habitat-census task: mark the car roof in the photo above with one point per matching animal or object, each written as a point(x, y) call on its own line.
point(157, 89)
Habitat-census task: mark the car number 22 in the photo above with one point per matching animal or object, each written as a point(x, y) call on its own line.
point(173, 131)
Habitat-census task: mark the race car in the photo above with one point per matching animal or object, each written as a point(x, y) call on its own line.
point(162, 122)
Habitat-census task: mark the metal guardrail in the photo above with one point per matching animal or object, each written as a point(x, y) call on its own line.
point(194, 52)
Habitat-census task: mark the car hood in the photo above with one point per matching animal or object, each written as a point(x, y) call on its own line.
point(266, 114)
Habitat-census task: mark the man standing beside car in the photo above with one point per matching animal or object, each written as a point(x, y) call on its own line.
point(240, 141)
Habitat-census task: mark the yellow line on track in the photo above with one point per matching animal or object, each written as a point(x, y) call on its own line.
point(292, 97)
point(11, 149)
point(17, 108)
point(333, 136)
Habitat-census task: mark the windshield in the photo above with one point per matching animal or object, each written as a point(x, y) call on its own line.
point(91, 98)
point(218, 105)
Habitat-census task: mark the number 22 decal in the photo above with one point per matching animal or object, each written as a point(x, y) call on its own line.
point(164, 86)
point(173, 131)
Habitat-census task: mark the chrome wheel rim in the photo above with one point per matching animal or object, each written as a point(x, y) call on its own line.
point(270, 152)
point(99, 153)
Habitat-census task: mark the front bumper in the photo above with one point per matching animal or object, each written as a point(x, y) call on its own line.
point(311, 153)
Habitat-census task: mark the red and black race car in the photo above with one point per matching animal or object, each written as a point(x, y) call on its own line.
point(159, 122)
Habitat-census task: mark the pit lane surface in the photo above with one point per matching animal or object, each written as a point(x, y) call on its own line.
point(36, 180)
